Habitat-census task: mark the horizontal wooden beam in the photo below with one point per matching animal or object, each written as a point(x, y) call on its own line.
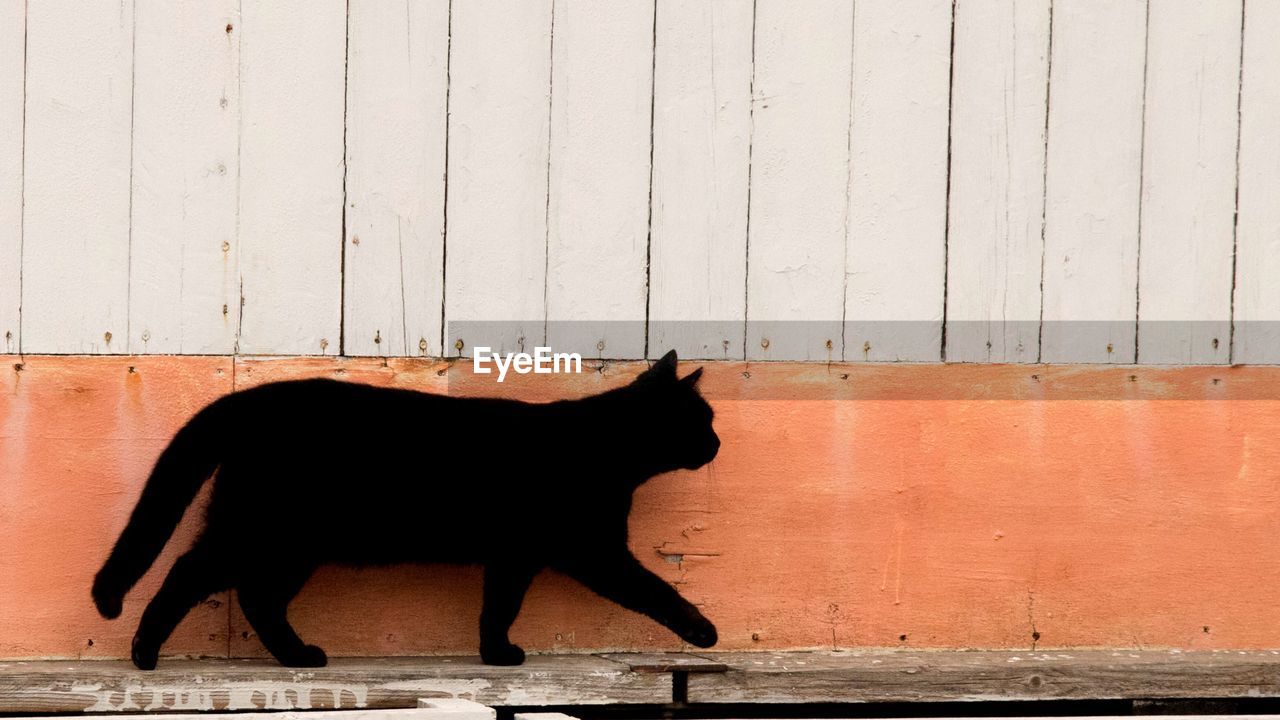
point(231, 685)
point(621, 678)
point(956, 675)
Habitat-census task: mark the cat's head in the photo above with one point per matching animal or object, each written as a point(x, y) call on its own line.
point(677, 419)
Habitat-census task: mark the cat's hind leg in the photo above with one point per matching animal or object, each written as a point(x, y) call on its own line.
point(264, 596)
point(194, 577)
point(504, 588)
point(619, 577)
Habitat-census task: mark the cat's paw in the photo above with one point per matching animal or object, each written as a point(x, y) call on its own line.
point(700, 633)
point(144, 656)
point(506, 654)
point(109, 604)
point(309, 656)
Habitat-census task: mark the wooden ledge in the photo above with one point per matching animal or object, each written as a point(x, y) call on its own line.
point(232, 685)
point(644, 678)
point(953, 675)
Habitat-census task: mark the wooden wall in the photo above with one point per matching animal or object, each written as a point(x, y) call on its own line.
point(979, 180)
point(851, 505)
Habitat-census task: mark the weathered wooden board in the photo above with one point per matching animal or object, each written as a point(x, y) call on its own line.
point(500, 114)
point(701, 163)
point(291, 176)
point(77, 439)
point(183, 274)
point(759, 677)
point(667, 662)
point(234, 685)
point(956, 553)
point(1093, 181)
point(397, 60)
point(13, 30)
point(897, 215)
point(1189, 182)
point(75, 225)
point(898, 676)
point(799, 180)
point(447, 709)
point(1257, 298)
point(995, 240)
point(598, 211)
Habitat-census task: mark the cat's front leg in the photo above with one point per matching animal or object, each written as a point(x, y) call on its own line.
point(504, 587)
point(621, 578)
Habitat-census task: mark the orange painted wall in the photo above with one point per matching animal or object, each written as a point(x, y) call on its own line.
point(858, 505)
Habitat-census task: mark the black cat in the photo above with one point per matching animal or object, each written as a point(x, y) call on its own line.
point(313, 472)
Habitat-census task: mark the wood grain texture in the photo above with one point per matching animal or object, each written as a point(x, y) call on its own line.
point(184, 280)
point(667, 662)
point(1257, 294)
point(598, 221)
point(291, 171)
point(221, 685)
point(995, 244)
point(897, 212)
point(75, 254)
point(897, 676)
point(13, 29)
point(701, 163)
point(1093, 181)
point(452, 709)
point(500, 113)
point(799, 180)
point(397, 59)
point(1189, 182)
point(369, 688)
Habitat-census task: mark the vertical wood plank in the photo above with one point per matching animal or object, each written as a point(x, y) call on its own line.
point(397, 64)
point(1257, 292)
point(292, 84)
point(799, 179)
point(184, 284)
point(701, 138)
point(13, 28)
point(1093, 181)
point(76, 186)
point(1189, 182)
point(995, 245)
point(896, 261)
point(597, 247)
point(500, 105)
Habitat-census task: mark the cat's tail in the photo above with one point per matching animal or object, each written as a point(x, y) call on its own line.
point(182, 469)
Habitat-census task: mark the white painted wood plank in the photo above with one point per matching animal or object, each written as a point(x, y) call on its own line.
point(599, 187)
point(499, 106)
point(1093, 181)
point(1189, 182)
point(799, 179)
point(896, 260)
point(701, 138)
point(76, 186)
point(995, 244)
point(397, 79)
point(13, 24)
point(184, 284)
point(1257, 301)
point(291, 171)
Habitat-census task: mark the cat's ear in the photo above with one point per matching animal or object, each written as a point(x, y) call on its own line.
point(664, 369)
point(692, 378)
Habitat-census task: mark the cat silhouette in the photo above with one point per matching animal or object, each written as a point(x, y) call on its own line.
point(314, 472)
